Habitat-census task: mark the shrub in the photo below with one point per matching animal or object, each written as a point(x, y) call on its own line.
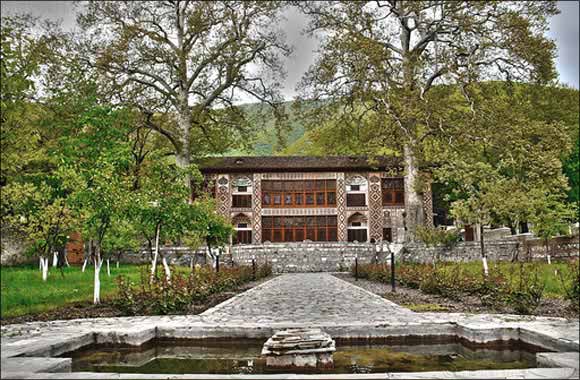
point(526, 291)
point(433, 237)
point(570, 283)
point(521, 290)
point(182, 291)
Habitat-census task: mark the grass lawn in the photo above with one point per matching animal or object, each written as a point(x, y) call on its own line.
point(549, 274)
point(24, 292)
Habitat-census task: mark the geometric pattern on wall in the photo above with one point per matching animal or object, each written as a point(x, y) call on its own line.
point(257, 209)
point(428, 205)
point(341, 207)
point(375, 208)
point(299, 176)
point(298, 211)
point(224, 199)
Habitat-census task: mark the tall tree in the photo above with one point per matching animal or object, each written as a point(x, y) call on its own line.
point(192, 58)
point(387, 56)
point(95, 162)
point(22, 55)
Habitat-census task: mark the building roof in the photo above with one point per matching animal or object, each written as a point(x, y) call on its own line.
point(256, 164)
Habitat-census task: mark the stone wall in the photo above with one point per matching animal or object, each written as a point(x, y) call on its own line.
point(13, 248)
point(308, 257)
point(174, 255)
point(524, 248)
point(463, 251)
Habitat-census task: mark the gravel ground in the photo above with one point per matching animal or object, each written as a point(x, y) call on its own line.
point(108, 309)
point(418, 301)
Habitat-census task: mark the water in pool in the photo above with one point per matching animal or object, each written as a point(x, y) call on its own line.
point(243, 356)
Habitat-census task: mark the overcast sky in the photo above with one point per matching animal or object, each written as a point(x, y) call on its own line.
point(564, 30)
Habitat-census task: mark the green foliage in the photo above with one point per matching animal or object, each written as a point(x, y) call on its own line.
point(570, 283)
point(520, 287)
point(526, 291)
point(572, 171)
point(551, 216)
point(433, 237)
point(95, 158)
point(22, 55)
point(182, 292)
point(40, 213)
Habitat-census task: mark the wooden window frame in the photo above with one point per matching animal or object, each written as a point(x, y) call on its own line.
point(289, 228)
point(236, 203)
point(393, 191)
point(323, 193)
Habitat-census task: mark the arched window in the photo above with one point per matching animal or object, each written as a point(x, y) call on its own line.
point(357, 228)
point(243, 228)
point(242, 192)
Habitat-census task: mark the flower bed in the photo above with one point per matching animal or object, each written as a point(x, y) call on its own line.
point(519, 286)
point(182, 291)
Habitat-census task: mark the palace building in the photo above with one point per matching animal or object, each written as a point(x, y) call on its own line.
point(320, 199)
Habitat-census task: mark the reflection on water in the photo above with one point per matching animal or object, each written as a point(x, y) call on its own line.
point(243, 356)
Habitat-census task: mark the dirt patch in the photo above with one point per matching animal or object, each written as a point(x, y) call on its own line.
point(107, 308)
point(418, 301)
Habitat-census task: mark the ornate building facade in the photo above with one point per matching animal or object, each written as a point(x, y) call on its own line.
point(293, 199)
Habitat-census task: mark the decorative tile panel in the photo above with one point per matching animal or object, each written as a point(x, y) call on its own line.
point(341, 207)
point(298, 176)
point(223, 195)
point(375, 208)
point(257, 209)
point(428, 205)
point(298, 211)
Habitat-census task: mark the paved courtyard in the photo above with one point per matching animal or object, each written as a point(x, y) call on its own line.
point(343, 310)
point(307, 298)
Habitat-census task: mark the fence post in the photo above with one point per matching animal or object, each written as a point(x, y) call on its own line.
point(217, 262)
point(393, 271)
point(254, 267)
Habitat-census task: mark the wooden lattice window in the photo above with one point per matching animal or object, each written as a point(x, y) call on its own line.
point(241, 201)
point(393, 191)
point(299, 228)
point(298, 194)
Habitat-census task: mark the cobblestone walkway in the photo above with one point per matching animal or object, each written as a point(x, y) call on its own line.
point(308, 298)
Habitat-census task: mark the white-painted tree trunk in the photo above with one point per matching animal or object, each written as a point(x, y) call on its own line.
point(549, 260)
point(40, 264)
point(156, 254)
point(117, 264)
point(485, 267)
point(54, 259)
point(97, 285)
point(167, 270)
point(108, 268)
point(44, 263)
point(66, 260)
point(84, 265)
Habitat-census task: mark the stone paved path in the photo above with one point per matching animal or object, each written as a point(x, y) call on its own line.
point(308, 298)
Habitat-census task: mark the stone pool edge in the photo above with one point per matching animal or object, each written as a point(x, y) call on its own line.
point(32, 356)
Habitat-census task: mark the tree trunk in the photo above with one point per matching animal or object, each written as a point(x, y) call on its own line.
point(166, 268)
point(84, 265)
point(548, 258)
point(414, 213)
point(54, 259)
point(483, 255)
point(44, 266)
point(156, 254)
point(108, 268)
point(183, 154)
point(98, 265)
